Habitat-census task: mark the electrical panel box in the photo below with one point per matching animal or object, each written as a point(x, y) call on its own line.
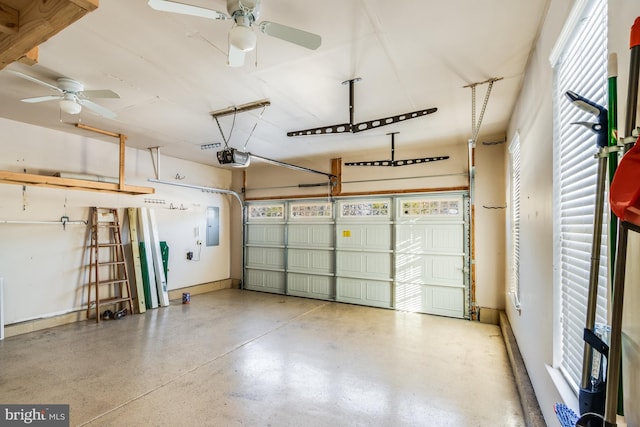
point(213, 226)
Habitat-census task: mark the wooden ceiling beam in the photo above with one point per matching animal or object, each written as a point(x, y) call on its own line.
point(9, 19)
point(30, 58)
point(38, 21)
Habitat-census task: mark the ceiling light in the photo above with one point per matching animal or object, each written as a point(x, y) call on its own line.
point(242, 38)
point(69, 105)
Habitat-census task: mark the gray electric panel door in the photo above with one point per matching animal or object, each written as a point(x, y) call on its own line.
point(213, 226)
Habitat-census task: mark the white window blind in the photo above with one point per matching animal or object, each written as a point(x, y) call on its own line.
point(514, 153)
point(580, 67)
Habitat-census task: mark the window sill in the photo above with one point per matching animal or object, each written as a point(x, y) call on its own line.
point(567, 394)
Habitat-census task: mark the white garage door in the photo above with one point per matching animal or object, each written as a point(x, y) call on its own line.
point(403, 252)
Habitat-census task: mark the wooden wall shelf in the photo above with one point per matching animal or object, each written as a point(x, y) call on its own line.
point(70, 184)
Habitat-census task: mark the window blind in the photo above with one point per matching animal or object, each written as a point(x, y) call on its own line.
point(582, 68)
point(514, 152)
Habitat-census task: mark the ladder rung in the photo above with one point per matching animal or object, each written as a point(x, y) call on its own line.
point(111, 263)
point(111, 282)
point(113, 300)
point(108, 245)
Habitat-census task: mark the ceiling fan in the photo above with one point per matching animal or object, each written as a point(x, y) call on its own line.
point(72, 95)
point(245, 13)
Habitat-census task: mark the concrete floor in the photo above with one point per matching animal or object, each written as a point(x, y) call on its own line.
point(242, 358)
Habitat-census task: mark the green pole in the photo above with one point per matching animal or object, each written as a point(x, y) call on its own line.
point(613, 156)
point(613, 165)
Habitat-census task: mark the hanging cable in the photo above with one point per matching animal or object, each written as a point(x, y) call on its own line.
point(254, 128)
point(233, 125)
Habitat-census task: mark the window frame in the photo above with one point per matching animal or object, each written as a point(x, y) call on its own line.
point(574, 177)
point(514, 220)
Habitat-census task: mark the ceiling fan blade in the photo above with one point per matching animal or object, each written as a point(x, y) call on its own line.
point(186, 9)
point(41, 98)
point(99, 109)
point(99, 93)
point(236, 56)
point(291, 35)
point(34, 80)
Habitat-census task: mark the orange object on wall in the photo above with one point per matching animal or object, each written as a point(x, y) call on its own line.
point(624, 196)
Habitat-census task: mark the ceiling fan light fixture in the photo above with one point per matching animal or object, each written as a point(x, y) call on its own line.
point(70, 106)
point(242, 38)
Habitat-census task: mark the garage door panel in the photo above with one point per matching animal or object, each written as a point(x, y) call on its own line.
point(309, 286)
point(364, 292)
point(447, 301)
point(444, 301)
point(311, 261)
point(364, 236)
point(310, 235)
point(440, 238)
point(430, 269)
point(265, 234)
point(271, 258)
point(362, 264)
point(265, 281)
point(410, 297)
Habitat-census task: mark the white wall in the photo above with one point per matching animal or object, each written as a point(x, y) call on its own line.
point(490, 212)
point(533, 120)
point(44, 265)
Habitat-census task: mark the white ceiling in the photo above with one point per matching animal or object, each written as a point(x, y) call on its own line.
point(170, 72)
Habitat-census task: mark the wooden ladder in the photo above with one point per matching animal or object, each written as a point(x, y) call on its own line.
point(107, 268)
